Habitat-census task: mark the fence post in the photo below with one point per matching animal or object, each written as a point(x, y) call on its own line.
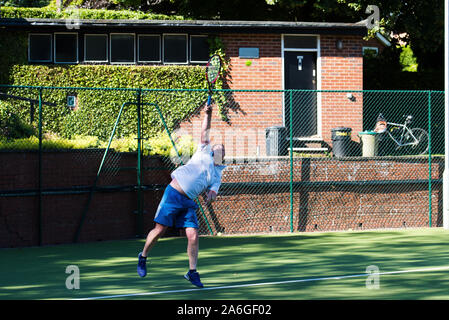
point(429, 120)
point(291, 159)
point(139, 167)
point(40, 169)
point(446, 121)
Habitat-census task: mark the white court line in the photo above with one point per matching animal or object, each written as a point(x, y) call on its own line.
point(266, 283)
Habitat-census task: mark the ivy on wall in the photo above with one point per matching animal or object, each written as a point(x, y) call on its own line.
point(97, 110)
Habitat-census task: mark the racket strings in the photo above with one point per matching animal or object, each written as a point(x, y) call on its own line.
point(213, 69)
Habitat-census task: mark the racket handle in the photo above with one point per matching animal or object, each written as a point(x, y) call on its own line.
point(209, 100)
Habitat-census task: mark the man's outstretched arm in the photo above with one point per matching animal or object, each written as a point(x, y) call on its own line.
point(205, 127)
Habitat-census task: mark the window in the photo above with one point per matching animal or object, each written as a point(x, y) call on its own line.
point(303, 42)
point(119, 48)
point(123, 48)
point(96, 48)
point(175, 48)
point(149, 48)
point(66, 47)
point(40, 48)
point(199, 49)
point(370, 51)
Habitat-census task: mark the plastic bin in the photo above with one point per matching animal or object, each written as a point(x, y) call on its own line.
point(341, 142)
point(276, 141)
point(370, 143)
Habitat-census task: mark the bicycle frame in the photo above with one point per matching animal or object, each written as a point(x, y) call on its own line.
point(405, 130)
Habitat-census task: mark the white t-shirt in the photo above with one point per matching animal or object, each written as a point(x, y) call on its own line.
point(199, 173)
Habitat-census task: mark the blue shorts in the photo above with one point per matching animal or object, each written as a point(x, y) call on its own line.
point(176, 210)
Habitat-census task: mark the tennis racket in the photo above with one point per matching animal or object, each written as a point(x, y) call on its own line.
point(213, 69)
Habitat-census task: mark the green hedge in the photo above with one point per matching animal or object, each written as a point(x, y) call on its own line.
point(12, 126)
point(97, 109)
point(159, 145)
point(51, 13)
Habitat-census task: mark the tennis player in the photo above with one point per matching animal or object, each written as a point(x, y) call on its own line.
point(178, 208)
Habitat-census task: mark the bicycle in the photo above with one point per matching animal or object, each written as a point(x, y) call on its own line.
point(414, 141)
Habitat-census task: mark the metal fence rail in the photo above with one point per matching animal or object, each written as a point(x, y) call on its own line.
point(295, 160)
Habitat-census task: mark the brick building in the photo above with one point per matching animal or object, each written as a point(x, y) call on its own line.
point(287, 55)
point(262, 55)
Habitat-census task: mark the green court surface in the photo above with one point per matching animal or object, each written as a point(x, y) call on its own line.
point(407, 264)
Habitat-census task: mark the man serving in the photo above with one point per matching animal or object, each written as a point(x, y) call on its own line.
point(177, 208)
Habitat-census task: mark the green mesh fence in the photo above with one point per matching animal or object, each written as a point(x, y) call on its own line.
point(84, 164)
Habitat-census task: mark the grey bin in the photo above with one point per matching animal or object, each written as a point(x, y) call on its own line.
point(341, 142)
point(276, 141)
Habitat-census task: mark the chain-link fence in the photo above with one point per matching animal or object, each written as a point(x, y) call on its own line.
point(83, 164)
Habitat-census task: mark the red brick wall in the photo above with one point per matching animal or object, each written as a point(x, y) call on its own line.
point(111, 215)
point(250, 113)
point(341, 70)
point(239, 208)
point(264, 72)
point(335, 195)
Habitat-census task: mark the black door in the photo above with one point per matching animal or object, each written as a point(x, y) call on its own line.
point(300, 73)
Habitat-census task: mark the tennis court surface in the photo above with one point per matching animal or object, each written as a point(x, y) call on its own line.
point(386, 264)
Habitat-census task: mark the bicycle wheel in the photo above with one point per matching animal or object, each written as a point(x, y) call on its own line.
point(421, 146)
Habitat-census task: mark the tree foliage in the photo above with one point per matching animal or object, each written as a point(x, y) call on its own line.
point(24, 3)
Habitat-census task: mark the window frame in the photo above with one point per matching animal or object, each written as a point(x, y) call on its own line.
point(51, 47)
point(376, 49)
point(187, 48)
point(191, 46)
point(109, 37)
point(77, 48)
point(315, 48)
point(107, 47)
point(160, 48)
point(110, 47)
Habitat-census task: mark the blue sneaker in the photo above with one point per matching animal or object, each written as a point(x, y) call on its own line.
point(194, 278)
point(142, 266)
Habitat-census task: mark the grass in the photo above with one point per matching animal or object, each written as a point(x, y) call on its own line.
point(160, 145)
point(109, 268)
